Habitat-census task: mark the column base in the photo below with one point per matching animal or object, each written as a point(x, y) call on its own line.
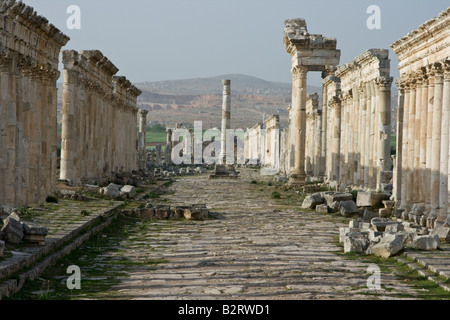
point(297, 180)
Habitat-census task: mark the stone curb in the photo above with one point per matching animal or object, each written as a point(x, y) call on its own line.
point(430, 275)
point(12, 286)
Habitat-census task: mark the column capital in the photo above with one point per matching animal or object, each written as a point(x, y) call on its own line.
point(299, 72)
point(446, 67)
point(143, 113)
point(335, 102)
point(384, 83)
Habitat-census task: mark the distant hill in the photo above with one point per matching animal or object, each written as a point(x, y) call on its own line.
point(200, 99)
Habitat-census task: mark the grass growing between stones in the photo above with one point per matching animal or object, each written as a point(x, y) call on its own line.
point(425, 289)
point(102, 261)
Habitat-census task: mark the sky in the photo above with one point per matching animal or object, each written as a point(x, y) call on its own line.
point(156, 40)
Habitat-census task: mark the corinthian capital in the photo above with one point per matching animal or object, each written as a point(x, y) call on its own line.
point(299, 72)
point(384, 83)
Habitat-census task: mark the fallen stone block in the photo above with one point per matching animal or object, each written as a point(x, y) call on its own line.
point(369, 198)
point(398, 213)
point(312, 201)
point(343, 231)
point(12, 229)
point(443, 233)
point(379, 224)
point(368, 215)
point(334, 207)
point(128, 192)
point(162, 212)
point(179, 212)
point(348, 208)
point(384, 213)
point(428, 242)
point(322, 208)
point(112, 190)
point(394, 227)
point(196, 212)
point(147, 213)
point(356, 242)
point(388, 246)
point(331, 197)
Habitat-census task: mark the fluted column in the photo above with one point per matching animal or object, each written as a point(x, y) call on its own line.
point(443, 191)
point(423, 137)
point(430, 73)
point(384, 128)
point(299, 75)
point(411, 140)
point(399, 141)
point(436, 140)
point(417, 193)
point(405, 137)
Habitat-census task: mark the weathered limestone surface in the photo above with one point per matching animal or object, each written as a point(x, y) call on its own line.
point(309, 53)
point(29, 53)
point(358, 111)
point(422, 169)
point(99, 118)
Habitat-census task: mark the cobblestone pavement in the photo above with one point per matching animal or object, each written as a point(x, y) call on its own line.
point(257, 244)
point(258, 247)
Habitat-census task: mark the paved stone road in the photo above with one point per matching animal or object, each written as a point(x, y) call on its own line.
point(257, 248)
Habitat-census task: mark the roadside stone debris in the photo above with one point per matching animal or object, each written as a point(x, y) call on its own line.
point(372, 233)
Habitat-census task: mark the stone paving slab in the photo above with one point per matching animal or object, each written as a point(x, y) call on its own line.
point(63, 225)
point(258, 248)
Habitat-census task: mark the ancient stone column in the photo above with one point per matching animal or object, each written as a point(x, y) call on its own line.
point(362, 134)
point(430, 106)
point(335, 104)
point(298, 175)
point(436, 142)
point(142, 129)
point(443, 192)
point(399, 141)
point(405, 137)
point(384, 128)
point(411, 186)
point(226, 119)
point(423, 137)
point(417, 134)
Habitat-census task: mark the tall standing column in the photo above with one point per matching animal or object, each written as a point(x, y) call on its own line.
point(417, 194)
point(142, 129)
point(335, 104)
point(399, 141)
point(384, 105)
point(363, 106)
point(436, 142)
point(430, 73)
point(423, 137)
point(443, 192)
point(405, 136)
point(298, 175)
point(226, 117)
point(411, 142)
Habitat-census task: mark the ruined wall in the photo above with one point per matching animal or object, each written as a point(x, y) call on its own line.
point(422, 170)
point(29, 53)
point(358, 122)
point(99, 118)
